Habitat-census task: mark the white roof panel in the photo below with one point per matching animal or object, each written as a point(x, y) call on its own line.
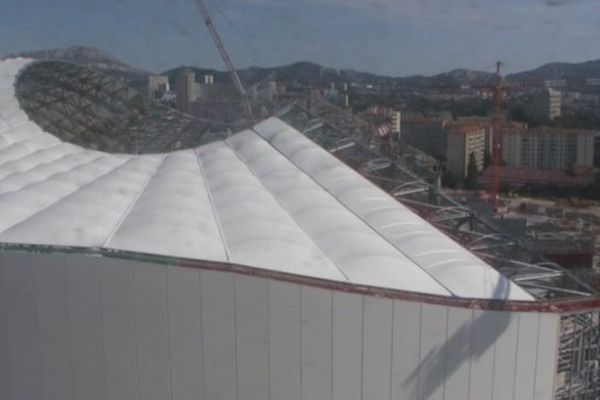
point(267, 197)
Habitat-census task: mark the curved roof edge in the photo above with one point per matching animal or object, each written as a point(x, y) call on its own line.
point(561, 306)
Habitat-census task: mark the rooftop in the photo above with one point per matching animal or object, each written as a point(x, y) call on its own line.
point(266, 197)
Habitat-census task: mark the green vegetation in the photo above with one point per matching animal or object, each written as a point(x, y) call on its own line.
point(472, 172)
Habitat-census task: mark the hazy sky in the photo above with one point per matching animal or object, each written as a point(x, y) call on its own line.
point(395, 37)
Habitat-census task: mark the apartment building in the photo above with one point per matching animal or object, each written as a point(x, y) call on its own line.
point(464, 138)
point(549, 148)
point(427, 133)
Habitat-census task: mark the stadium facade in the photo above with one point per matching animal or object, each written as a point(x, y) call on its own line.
point(256, 266)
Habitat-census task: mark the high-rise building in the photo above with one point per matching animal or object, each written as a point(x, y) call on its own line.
point(158, 85)
point(427, 133)
point(187, 90)
point(395, 123)
point(463, 139)
point(545, 105)
point(549, 148)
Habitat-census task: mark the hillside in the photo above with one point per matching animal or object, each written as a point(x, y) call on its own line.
point(311, 73)
point(584, 70)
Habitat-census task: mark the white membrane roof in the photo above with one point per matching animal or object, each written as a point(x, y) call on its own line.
point(267, 197)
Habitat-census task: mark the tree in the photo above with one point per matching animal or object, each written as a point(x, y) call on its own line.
point(487, 159)
point(472, 172)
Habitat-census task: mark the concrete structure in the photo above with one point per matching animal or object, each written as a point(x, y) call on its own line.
point(158, 85)
point(463, 139)
point(549, 148)
point(484, 122)
point(395, 123)
point(264, 91)
point(256, 267)
point(187, 90)
point(427, 133)
point(545, 105)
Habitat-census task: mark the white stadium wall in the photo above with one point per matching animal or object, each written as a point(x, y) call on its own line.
point(84, 327)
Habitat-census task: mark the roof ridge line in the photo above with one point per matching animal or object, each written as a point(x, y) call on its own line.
point(283, 208)
point(212, 203)
point(371, 227)
point(137, 196)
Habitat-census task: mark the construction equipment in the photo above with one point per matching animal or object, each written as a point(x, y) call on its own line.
point(226, 58)
point(498, 91)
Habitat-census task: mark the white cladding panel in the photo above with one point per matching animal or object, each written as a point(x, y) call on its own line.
point(53, 316)
point(347, 346)
point(185, 333)
point(546, 361)
point(316, 343)
point(527, 348)
point(377, 347)
point(505, 355)
point(25, 362)
point(458, 356)
point(406, 350)
point(483, 340)
point(285, 325)
point(152, 338)
point(5, 376)
point(252, 341)
point(218, 326)
point(433, 349)
point(83, 284)
point(117, 329)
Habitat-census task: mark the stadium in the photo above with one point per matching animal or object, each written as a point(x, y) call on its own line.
point(145, 254)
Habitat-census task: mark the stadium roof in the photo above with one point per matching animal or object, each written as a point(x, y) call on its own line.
point(267, 197)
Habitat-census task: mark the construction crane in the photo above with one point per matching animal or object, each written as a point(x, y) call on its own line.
point(498, 91)
point(226, 58)
point(498, 123)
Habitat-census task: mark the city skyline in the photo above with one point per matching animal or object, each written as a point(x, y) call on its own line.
point(379, 36)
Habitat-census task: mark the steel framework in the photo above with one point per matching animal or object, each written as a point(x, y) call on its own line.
point(93, 109)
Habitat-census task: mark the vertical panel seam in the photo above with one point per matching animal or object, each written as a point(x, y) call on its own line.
point(70, 323)
point(517, 356)
point(331, 346)
point(445, 355)
point(392, 350)
point(471, 316)
point(202, 352)
point(7, 324)
point(419, 352)
point(537, 351)
point(170, 347)
point(362, 351)
point(235, 338)
point(40, 354)
point(493, 386)
point(135, 332)
point(301, 338)
point(101, 320)
point(269, 388)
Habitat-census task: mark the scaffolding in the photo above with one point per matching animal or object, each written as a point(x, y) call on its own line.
point(578, 376)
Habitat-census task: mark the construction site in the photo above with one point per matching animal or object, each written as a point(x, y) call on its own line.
point(267, 246)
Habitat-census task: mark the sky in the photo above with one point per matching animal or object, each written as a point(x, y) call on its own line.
point(392, 37)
